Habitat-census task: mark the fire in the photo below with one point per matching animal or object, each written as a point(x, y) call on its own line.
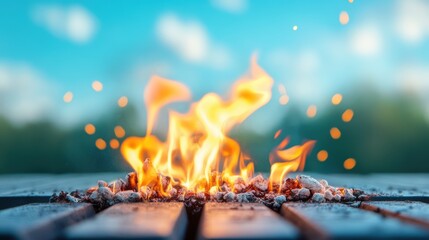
point(198, 153)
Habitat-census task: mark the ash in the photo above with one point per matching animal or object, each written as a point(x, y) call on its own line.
point(257, 190)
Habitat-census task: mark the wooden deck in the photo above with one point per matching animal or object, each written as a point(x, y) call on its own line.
point(400, 210)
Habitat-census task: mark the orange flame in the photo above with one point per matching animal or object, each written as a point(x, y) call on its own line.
point(197, 150)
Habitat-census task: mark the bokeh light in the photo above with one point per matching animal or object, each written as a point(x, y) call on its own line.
point(68, 97)
point(114, 144)
point(119, 131)
point(335, 133)
point(100, 144)
point(122, 101)
point(322, 155)
point(347, 115)
point(89, 129)
point(349, 163)
point(336, 99)
point(344, 18)
point(97, 86)
point(311, 111)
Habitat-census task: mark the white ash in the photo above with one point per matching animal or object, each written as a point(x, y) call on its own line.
point(245, 197)
point(318, 197)
point(304, 194)
point(239, 185)
point(102, 183)
point(72, 199)
point(127, 196)
point(348, 196)
point(117, 185)
point(105, 193)
point(259, 183)
point(229, 197)
point(312, 184)
point(337, 197)
point(280, 199)
point(324, 183)
point(218, 196)
point(328, 195)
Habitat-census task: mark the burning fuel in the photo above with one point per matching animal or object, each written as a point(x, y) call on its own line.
point(199, 162)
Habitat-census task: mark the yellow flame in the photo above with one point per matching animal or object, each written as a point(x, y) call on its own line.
point(197, 145)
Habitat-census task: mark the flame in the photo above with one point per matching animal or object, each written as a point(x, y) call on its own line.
point(197, 153)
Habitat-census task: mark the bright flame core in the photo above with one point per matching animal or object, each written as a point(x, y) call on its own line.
point(197, 153)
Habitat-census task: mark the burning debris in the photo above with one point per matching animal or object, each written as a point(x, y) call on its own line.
point(199, 162)
point(301, 188)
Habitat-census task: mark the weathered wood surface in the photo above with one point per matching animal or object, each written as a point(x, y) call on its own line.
point(411, 212)
point(243, 221)
point(339, 221)
point(41, 221)
point(19, 185)
point(134, 221)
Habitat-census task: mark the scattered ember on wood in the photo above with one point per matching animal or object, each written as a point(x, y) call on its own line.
point(301, 188)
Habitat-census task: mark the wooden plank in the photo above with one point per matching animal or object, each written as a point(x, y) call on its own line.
point(339, 221)
point(134, 220)
point(243, 221)
point(57, 183)
point(382, 186)
point(410, 212)
point(40, 221)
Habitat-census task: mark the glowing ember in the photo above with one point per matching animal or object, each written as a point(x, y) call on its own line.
point(68, 97)
point(97, 86)
point(122, 101)
point(349, 163)
point(89, 129)
point(198, 154)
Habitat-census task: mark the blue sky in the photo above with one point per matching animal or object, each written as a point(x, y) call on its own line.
point(48, 48)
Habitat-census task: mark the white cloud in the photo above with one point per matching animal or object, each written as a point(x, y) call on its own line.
point(74, 23)
point(412, 20)
point(233, 6)
point(366, 41)
point(413, 79)
point(24, 94)
point(189, 39)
